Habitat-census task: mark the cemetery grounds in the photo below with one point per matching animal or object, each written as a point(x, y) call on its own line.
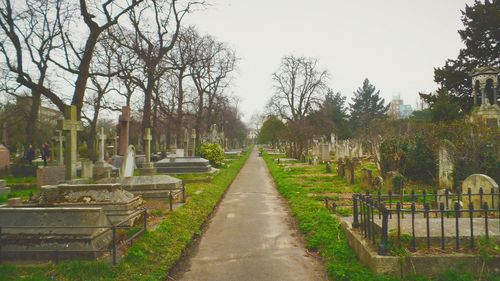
point(307, 186)
point(156, 252)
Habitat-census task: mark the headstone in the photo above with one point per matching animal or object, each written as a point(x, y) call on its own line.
point(328, 167)
point(367, 179)
point(395, 182)
point(324, 152)
point(123, 128)
point(70, 125)
point(50, 175)
point(101, 168)
point(441, 198)
point(4, 157)
point(341, 168)
point(101, 136)
point(147, 167)
point(446, 165)
point(475, 182)
point(350, 167)
point(378, 183)
point(60, 151)
point(87, 169)
point(128, 164)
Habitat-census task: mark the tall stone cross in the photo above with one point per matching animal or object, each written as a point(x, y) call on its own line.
point(70, 125)
point(59, 139)
point(102, 144)
point(147, 147)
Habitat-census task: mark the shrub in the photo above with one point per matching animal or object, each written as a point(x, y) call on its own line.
point(212, 152)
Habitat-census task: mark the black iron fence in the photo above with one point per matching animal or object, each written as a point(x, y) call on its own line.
point(115, 245)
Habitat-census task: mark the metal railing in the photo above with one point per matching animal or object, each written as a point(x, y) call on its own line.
point(112, 248)
point(366, 209)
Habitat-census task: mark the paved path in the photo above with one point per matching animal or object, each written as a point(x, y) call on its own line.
point(250, 237)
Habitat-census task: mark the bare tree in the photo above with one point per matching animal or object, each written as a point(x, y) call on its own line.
point(76, 55)
point(298, 85)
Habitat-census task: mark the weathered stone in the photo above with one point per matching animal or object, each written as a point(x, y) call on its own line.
point(324, 152)
point(47, 237)
point(378, 183)
point(87, 169)
point(395, 182)
point(123, 129)
point(475, 182)
point(157, 186)
point(70, 125)
point(101, 172)
point(14, 201)
point(341, 168)
point(367, 179)
point(446, 164)
point(4, 190)
point(349, 168)
point(328, 167)
point(4, 157)
point(50, 175)
point(176, 165)
point(118, 204)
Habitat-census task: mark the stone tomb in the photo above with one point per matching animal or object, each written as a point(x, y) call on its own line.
point(50, 175)
point(180, 165)
point(149, 187)
point(474, 182)
point(18, 243)
point(118, 204)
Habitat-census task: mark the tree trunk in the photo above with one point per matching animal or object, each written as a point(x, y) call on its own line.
point(31, 126)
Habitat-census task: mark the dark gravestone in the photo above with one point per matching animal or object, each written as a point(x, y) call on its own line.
point(341, 168)
point(367, 179)
point(395, 182)
point(350, 166)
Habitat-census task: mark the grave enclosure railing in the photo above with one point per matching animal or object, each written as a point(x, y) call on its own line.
point(368, 209)
point(112, 249)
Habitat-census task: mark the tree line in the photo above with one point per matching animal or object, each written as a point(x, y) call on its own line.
point(102, 55)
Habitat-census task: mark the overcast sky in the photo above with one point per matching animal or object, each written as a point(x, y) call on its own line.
point(394, 43)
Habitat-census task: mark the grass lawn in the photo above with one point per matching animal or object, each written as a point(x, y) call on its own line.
point(152, 255)
point(305, 187)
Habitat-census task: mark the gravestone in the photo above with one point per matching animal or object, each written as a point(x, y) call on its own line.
point(147, 167)
point(446, 165)
point(378, 183)
point(60, 151)
point(180, 165)
point(128, 165)
point(367, 179)
point(193, 142)
point(101, 168)
point(395, 182)
point(123, 129)
point(87, 169)
point(341, 167)
point(4, 157)
point(50, 175)
point(70, 125)
point(324, 152)
point(474, 182)
point(350, 167)
point(149, 187)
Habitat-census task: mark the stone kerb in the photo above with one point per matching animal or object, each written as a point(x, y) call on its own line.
point(475, 182)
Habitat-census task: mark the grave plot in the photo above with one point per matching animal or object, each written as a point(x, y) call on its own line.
point(430, 230)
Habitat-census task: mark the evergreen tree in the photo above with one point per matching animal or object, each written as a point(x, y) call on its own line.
point(481, 37)
point(367, 105)
point(332, 116)
point(272, 131)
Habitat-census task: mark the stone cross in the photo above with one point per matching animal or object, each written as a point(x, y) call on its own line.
point(59, 139)
point(70, 125)
point(147, 146)
point(186, 142)
point(102, 144)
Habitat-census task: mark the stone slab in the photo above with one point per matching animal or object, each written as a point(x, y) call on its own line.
point(118, 204)
point(157, 186)
point(46, 235)
point(176, 165)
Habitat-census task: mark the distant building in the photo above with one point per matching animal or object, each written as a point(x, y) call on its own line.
point(398, 110)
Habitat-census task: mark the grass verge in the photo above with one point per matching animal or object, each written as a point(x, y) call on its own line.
point(153, 254)
point(322, 230)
